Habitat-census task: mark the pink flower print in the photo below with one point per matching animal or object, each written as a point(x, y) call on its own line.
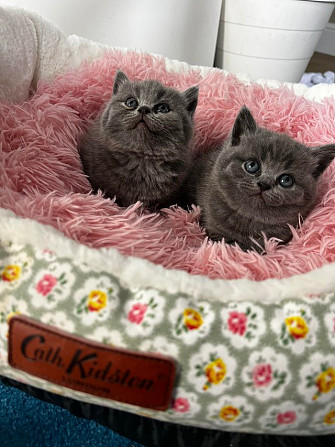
point(334, 325)
point(48, 252)
point(262, 374)
point(137, 312)
point(46, 284)
point(237, 322)
point(286, 418)
point(181, 405)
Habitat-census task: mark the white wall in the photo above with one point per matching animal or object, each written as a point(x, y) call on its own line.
point(179, 29)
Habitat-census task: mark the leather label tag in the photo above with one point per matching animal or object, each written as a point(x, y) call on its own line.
point(126, 376)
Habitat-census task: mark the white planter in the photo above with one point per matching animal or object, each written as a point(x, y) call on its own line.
point(271, 39)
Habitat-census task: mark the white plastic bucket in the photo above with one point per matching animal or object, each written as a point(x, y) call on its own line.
point(179, 29)
point(271, 39)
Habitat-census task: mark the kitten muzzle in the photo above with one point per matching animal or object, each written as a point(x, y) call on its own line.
point(141, 123)
point(143, 110)
point(263, 186)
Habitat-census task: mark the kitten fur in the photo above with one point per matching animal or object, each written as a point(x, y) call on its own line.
point(138, 148)
point(242, 207)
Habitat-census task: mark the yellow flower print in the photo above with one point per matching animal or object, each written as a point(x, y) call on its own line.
point(329, 418)
point(11, 273)
point(192, 319)
point(9, 317)
point(97, 300)
point(215, 372)
point(296, 326)
point(229, 413)
point(325, 382)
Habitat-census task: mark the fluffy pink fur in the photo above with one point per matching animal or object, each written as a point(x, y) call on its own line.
point(41, 176)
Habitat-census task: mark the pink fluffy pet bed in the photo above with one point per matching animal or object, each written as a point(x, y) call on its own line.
point(42, 179)
point(254, 344)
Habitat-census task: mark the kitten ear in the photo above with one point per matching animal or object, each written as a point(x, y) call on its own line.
point(324, 155)
point(191, 97)
point(120, 79)
point(244, 123)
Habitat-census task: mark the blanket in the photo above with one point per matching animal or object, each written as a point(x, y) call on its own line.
point(33, 48)
point(42, 177)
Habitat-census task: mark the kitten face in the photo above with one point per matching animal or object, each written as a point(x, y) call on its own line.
point(258, 183)
point(138, 148)
point(149, 111)
point(267, 175)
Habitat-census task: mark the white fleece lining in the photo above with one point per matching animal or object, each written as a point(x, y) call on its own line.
point(134, 272)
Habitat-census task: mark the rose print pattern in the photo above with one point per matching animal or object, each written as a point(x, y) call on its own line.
point(45, 255)
point(46, 284)
point(96, 299)
point(137, 313)
point(317, 378)
point(228, 378)
point(185, 404)
point(51, 284)
point(324, 420)
point(14, 270)
point(143, 313)
point(284, 417)
point(267, 374)
point(243, 324)
point(11, 273)
point(329, 419)
point(237, 322)
point(212, 369)
point(262, 374)
point(230, 411)
point(295, 327)
point(191, 321)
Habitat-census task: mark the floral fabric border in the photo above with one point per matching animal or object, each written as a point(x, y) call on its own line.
point(257, 368)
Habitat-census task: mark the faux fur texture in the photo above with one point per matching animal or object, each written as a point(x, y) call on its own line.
point(41, 176)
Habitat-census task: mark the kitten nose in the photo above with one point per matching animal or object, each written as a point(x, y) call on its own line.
point(263, 186)
point(144, 110)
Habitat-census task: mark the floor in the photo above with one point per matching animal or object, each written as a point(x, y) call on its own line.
point(320, 63)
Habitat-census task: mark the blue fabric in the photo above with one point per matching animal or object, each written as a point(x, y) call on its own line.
point(311, 79)
point(28, 422)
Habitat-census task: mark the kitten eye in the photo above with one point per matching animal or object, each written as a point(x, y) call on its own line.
point(251, 166)
point(131, 103)
point(163, 108)
point(286, 181)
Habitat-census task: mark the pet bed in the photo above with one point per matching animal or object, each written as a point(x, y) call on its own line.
point(252, 335)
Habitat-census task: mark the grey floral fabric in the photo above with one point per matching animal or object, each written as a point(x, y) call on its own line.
point(243, 366)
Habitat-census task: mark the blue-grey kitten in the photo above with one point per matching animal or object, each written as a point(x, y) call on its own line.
point(138, 148)
point(259, 182)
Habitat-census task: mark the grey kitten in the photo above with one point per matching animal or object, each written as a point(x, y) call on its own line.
point(138, 148)
point(258, 182)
